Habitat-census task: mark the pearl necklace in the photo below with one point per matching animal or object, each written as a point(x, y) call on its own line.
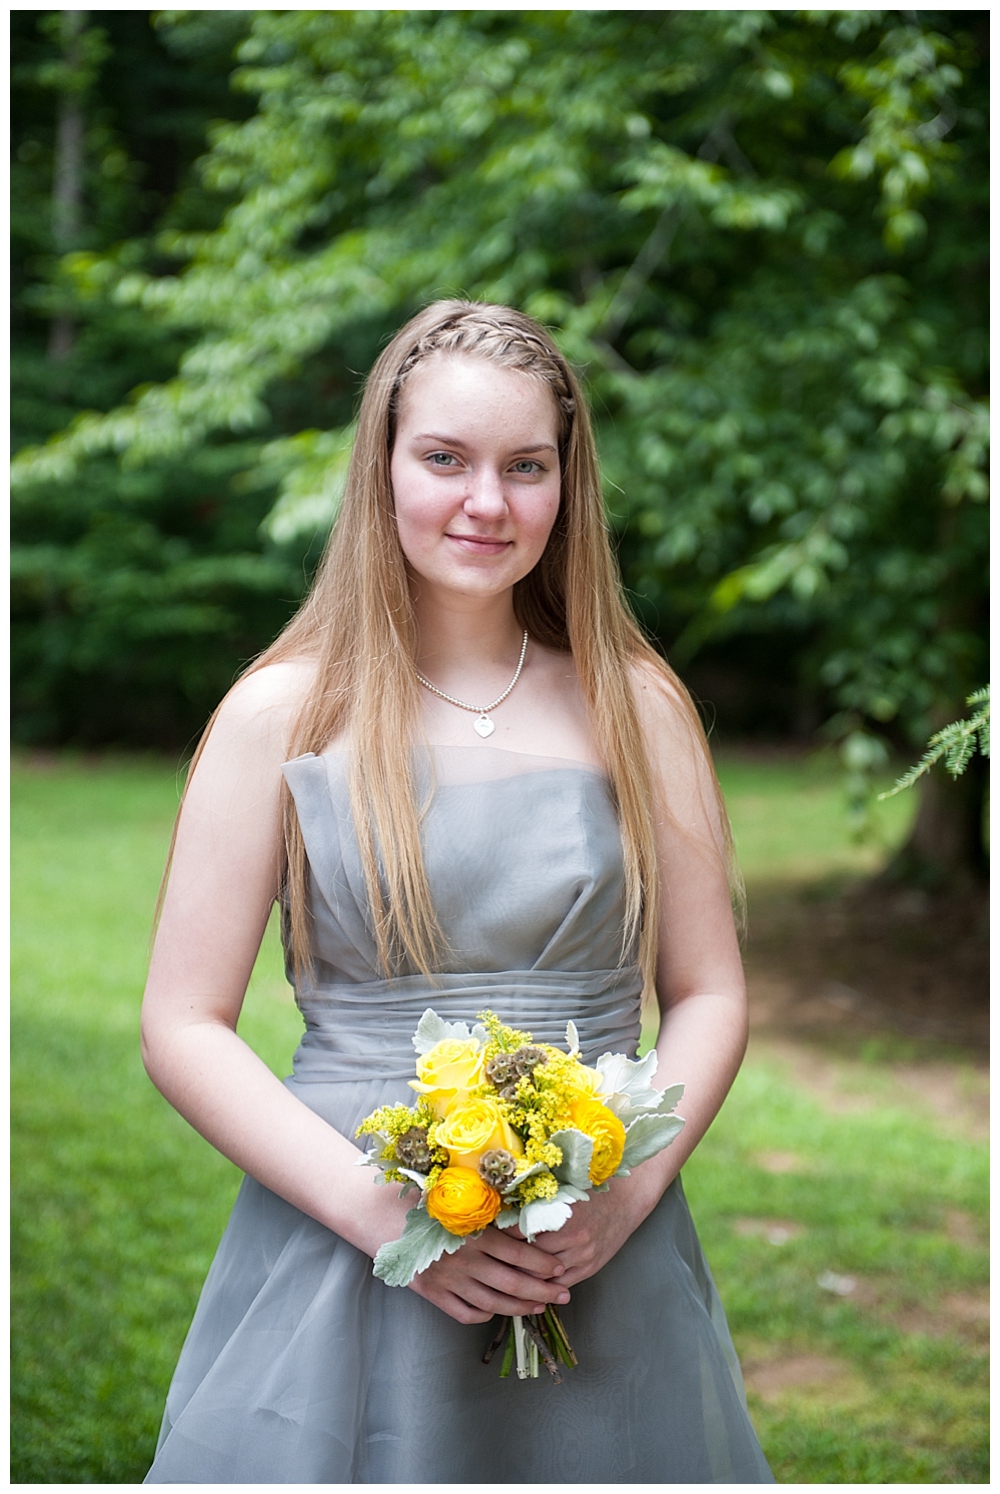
point(484, 726)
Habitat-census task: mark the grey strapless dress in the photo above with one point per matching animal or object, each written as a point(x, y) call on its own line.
point(299, 1366)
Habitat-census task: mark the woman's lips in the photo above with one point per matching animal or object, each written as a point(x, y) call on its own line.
point(479, 546)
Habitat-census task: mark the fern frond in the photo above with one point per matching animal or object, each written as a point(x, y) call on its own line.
point(956, 743)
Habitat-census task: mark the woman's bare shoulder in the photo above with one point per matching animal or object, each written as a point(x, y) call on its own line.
point(281, 686)
point(677, 749)
point(663, 704)
point(260, 710)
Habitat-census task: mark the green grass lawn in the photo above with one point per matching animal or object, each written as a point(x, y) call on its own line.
point(118, 1206)
point(789, 823)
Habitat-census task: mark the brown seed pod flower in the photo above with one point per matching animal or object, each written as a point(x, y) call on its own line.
point(501, 1070)
point(497, 1167)
point(413, 1149)
point(526, 1060)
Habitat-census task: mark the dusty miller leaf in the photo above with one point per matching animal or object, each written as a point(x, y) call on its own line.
point(532, 1171)
point(423, 1241)
point(647, 1135)
point(546, 1215)
point(432, 1029)
point(577, 1150)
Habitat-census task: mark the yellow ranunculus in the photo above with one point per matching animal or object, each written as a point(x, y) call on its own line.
point(597, 1121)
point(461, 1201)
point(448, 1072)
point(473, 1127)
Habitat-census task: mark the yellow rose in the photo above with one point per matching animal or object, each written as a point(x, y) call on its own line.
point(597, 1121)
point(473, 1127)
point(461, 1201)
point(448, 1072)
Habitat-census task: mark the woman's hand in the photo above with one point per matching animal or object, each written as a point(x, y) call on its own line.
point(597, 1230)
point(497, 1273)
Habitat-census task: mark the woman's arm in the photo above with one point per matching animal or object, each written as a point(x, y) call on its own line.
point(700, 986)
point(225, 876)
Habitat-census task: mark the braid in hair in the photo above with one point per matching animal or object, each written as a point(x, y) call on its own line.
point(475, 331)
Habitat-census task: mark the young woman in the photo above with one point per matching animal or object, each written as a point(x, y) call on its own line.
point(470, 782)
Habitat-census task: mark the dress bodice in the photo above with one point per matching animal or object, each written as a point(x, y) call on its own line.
point(524, 862)
point(523, 858)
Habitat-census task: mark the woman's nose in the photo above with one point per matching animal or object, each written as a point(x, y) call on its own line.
point(486, 497)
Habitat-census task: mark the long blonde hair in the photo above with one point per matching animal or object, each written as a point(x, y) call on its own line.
point(357, 624)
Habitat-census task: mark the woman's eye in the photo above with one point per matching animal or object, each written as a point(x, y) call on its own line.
point(441, 459)
point(527, 468)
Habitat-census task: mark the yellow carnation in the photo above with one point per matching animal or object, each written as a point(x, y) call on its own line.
point(447, 1073)
point(473, 1127)
point(461, 1201)
point(608, 1133)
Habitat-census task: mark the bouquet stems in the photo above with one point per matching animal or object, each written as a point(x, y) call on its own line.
point(538, 1338)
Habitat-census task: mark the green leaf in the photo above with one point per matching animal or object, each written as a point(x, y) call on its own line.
point(433, 1029)
point(546, 1215)
point(423, 1241)
point(647, 1135)
point(577, 1150)
point(312, 467)
point(956, 743)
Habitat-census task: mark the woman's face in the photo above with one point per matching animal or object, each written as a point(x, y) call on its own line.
point(475, 475)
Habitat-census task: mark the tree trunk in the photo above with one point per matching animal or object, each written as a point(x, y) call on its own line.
point(946, 847)
point(67, 177)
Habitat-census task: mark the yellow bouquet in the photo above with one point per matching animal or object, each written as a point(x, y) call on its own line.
point(507, 1131)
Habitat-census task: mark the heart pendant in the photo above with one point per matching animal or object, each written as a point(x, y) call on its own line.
point(484, 726)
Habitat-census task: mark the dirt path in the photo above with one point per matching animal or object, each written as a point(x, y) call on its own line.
point(874, 996)
point(868, 960)
point(866, 1000)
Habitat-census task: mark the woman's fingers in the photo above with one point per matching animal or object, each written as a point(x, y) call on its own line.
point(473, 1302)
point(517, 1284)
point(474, 1283)
point(517, 1252)
point(489, 1302)
point(480, 1273)
point(454, 1306)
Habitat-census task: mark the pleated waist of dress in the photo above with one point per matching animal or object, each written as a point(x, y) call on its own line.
point(365, 1031)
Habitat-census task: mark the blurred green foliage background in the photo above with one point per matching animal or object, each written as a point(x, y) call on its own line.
point(761, 234)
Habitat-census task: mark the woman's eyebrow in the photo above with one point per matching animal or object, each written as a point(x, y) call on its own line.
point(454, 441)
